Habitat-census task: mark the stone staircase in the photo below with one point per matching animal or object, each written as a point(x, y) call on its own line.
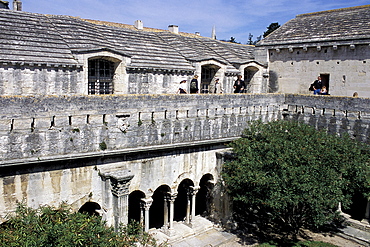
point(201, 233)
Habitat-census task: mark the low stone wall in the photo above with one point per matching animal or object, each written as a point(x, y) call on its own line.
point(36, 129)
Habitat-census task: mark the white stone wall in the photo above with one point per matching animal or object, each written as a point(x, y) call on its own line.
point(43, 80)
point(44, 185)
point(347, 66)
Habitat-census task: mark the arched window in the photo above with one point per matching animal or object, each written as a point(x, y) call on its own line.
point(100, 79)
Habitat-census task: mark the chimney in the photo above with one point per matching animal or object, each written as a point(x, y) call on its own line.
point(139, 24)
point(17, 5)
point(213, 32)
point(173, 29)
point(197, 33)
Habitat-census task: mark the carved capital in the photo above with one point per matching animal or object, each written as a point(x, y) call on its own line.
point(146, 203)
point(120, 182)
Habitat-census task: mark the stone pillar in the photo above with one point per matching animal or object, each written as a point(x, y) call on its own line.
point(120, 182)
point(172, 198)
point(194, 191)
point(146, 203)
point(165, 212)
point(188, 195)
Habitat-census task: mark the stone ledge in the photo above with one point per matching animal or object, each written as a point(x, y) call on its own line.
point(17, 162)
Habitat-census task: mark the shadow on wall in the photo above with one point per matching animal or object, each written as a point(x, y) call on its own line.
point(273, 85)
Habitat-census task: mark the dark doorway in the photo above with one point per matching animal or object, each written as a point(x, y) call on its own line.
point(181, 202)
point(249, 73)
point(358, 208)
point(156, 211)
point(208, 73)
point(204, 198)
point(325, 81)
point(134, 205)
point(90, 208)
point(100, 76)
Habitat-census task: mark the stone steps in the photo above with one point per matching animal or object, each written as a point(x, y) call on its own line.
point(201, 233)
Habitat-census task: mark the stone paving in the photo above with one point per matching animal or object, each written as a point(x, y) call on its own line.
point(203, 233)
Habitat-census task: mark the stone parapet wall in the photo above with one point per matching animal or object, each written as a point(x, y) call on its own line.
point(37, 129)
point(336, 114)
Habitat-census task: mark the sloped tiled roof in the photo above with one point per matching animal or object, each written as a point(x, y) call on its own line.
point(333, 25)
point(37, 38)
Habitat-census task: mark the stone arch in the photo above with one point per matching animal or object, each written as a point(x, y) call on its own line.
point(117, 65)
point(156, 211)
point(183, 199)
point(209, 72)
point(253, 77)
point(204, 197)
point(134, 206)
point(90, 208)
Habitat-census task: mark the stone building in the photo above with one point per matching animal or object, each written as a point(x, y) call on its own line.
point(332, 44)
point(89, 115)
point(62, 55)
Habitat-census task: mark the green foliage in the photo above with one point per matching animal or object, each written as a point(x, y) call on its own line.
point(50, 227)
point(103, 145)
point(288, 176)
point(272, 27)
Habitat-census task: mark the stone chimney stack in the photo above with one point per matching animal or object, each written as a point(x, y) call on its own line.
point(139, 24)
point(173, 29)
point(213, 32)
point(17, 5)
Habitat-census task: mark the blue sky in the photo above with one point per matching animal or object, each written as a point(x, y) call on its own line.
point(231, 18)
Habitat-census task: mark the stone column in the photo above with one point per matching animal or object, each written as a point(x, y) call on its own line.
point(172, 198)
point(194, 191)
point(120, 182)
point(188, 195)
point(165, 212)
point(146, 202)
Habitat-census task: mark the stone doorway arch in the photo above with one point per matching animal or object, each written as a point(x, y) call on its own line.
point(250, 78)
point(135, 212)
point(183, 200)
point(209, 72)
point(204, 197)
point(157, 211)
point(90, 208)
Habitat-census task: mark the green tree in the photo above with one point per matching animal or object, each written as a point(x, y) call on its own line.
point(286, 176)
point(48, 227)
point(272, 27)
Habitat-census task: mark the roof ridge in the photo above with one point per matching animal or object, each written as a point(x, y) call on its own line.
point(334, 10)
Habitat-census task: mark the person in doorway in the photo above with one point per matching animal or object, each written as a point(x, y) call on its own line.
point(239, 85)
point(194, 85)
point(218, 86)
point(317, 85)
point(323, 91)
point(182, 87)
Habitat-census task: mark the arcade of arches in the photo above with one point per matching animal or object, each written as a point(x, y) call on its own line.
point(166, 205)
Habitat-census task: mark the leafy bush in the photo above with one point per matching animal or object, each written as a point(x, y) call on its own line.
point(48, 227)
point(287, 176)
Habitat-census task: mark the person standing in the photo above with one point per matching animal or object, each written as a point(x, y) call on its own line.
point(194, 85)
point(218, 86)
point(182, 87)
point(317, 85)
point(239, 85)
